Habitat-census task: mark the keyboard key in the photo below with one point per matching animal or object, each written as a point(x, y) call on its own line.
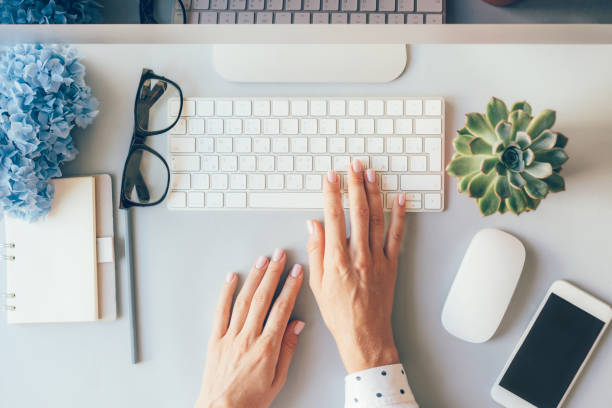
point(308, 126)
point(243, 145)
point(386, 5)
point(414, 145)
point(356, 107)
point(346, 126)
point(403, 126)
point(433, 107)
point(180, 128)
point(235, 200)
point(299, 108)
point(224, 145)
point(261, 108)
point(284, 163)
point(289, 126)
point(214, 200)
point(247, 163)
point(399, 163)
point(322, 163)
point(414, 107)
point(210, 163)
point(368, 5)
point(200, 181)
point(237, 4)
point(380, 163)
point(185, 163)
point(280, 108)
point(405, 5)
point(218, 181)
point(376, 18)
point(365, 160)
point(180, 181)
point(429, 6)
point(293, 4)
point(208, 17)
point(271, 126)
point(418, 163)
point(357, 18)
point(414, 19)
point(261, 145)
point(275, 4)
point(384, 126)
point(205, 145)
point(395, 19)
point(182, 145)
point(238, 182)
point(263, 18)
point(294, 182)
point(256, 4)
point(395, 145)
point(301, 18)
point(313, 182)
point(242, 108)
point(214, 126)
point(205, 108)
point(286, 200)
point(320, 18)
point(356, 145)
point(280, 145)
point(195, 126)
point(312, 5)
point(318, 108)
point(256, 181)
point(349, 5)
point(331, 5)
point(389, 182)
point(200, 4)
point(337, 145)
point(341, 163)
point(227, 17)
point(339, 18)
point(233, 126)
point(177, 199)
point(337, 108)
point(303, 163)
point(223, 108)
point(413, 196)
point(365, 126)
point(252, 126)
point(376, 107)
point(282, 18)
point(421, 182)
point(428, 126)
point(318, 145)
point(299, 145)
point(228, 163)
point(195, 199)
point(433, 146)
point(327, 126)
point(265, 163)
point(433, 201)
point(276, 181)
point(218, 4)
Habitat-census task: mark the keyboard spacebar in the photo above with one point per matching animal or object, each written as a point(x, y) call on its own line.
point(286, 200)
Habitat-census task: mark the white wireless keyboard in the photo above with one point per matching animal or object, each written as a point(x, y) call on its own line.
point(272, 153)
point(312, 12)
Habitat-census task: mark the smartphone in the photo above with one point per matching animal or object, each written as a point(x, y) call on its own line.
point(553, 350)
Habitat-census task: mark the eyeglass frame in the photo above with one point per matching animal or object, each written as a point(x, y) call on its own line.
point(139, 138)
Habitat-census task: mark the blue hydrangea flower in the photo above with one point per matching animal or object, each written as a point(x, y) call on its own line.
point(50, 12)
point(43, 95)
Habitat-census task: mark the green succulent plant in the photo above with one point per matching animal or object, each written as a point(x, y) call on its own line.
point(508, 160)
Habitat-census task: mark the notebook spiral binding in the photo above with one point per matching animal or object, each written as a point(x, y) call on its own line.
point(10, 295)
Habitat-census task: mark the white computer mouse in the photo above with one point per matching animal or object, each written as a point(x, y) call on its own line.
point(484, 285)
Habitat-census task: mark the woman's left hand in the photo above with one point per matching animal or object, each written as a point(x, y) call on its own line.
point(248, 355)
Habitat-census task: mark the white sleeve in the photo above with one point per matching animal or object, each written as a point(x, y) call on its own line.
point(385, 386)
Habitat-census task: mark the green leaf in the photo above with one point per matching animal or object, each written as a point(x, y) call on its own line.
point(498, 147)
point(524, 106)
point(555, 183)
point(488, 164)
point(561, 140)
point(480, 147)
point(489, 203)
point(523, 140)
point(520, 120)
point(528, 156)
point(539, 170)
point(503, 207)
point(532, 203)
point(500, 169)
point(556, 157)
point(464, 131)
point(496, 112)
point(517, 201)
point(502, 187)
point(516, 180)
point(504, 131)
point(479, 184)
point(545, 141)
point(463, 165)
point(464, 182)
point(534, 188)
point(480, 127)
point(545, 120)
point(462, 143)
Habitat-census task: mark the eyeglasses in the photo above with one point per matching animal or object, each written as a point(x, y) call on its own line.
point(146, 175)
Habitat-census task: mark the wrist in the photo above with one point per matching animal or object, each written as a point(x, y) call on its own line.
point(364, 352)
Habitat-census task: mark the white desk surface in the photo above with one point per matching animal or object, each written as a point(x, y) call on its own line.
point(182, 258)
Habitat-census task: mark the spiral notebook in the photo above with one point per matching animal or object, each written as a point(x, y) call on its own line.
point(59, 268)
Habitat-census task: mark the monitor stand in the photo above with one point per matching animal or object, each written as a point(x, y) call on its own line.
point(310, 62)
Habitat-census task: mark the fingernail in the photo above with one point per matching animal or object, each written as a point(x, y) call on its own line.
point(332, 177)
point(401, 199)
point(261, 262)
point(230, 277)
point(310, 226)
point(357, 166)
point(299, 326)
point(277, 255)
point(371, 176)
point(296, 271)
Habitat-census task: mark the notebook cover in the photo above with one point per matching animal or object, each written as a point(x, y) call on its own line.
point(54, 274)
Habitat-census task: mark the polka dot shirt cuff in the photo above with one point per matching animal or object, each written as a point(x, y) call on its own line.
point(385, 386)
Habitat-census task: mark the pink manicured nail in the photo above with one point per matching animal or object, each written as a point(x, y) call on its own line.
point(261, 262)
point(299, 326)
point(401, 199)
point(296, 271)
point(371, 176)
point(357, 166)
point(230, 277)
point(332, 177)
point(277, 255)
point(310, 226)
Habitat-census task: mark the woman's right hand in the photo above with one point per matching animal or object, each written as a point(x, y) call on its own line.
point(354, 280)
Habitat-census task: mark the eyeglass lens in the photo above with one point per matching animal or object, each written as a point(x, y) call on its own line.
point(152, 104)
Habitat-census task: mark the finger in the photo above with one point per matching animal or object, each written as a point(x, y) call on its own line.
point(224, 305)
point(335, 227)
point(316, 248)
point(264, 293)
point(359, 210)
point(289, 344)
point(377, 218)
point(396, 227)
point(284, 303)
point(243, 301)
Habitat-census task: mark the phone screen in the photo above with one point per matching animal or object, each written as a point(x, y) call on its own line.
point(552, 353)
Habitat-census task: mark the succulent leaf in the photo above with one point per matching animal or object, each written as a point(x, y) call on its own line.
point(535, 188)
point(463, 165)
point(528, 156)
point(561, 140)
point(488, 164)
point(539, 170)
point(480, 127)
point(556, 157)
point(464, 182)
point(503, 207)
point(516, 180)
point(512, 158)
point(498, 147)
point(489, 203)
point(555, 183)
point(504, 132)
point(524, 106)
point(523, 140)
point(502, 187)
point(479, 184)
point(517, 201)
point(544, 120)
point(479, 146)
point(520, 120)
point(496, 112)
point(462, 143)
point(500, 169)
point(464, 131)
point(532, 203)
point(545, 141)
